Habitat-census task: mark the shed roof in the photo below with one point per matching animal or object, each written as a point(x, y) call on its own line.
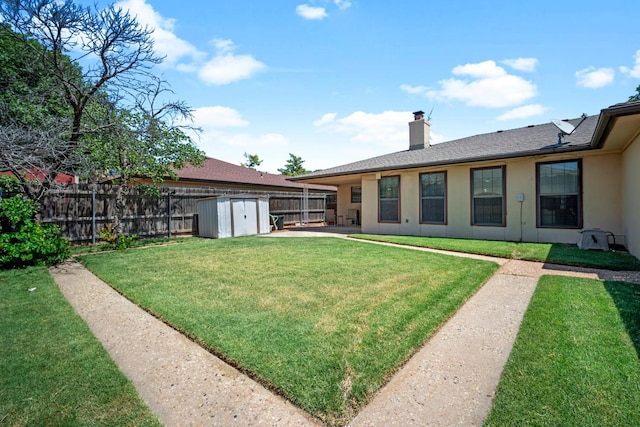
point(525, 141)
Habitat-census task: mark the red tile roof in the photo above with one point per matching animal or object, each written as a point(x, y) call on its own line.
point(215, 170)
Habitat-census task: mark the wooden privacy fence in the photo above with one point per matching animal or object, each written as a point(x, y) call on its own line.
point(82, 210)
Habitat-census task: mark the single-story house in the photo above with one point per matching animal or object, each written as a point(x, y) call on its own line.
point(533, 184)
point(297, 202)
point(223, 175)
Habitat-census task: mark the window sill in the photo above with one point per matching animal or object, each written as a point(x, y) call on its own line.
point(559, 227)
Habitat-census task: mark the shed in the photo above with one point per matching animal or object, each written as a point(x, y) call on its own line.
point(233, 216)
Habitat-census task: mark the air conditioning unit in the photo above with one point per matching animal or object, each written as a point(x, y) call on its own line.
point(594, 238)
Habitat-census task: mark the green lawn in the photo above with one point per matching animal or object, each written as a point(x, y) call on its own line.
point(325, 321)
point(554, 253)
point(53, 372)
point(576, 358)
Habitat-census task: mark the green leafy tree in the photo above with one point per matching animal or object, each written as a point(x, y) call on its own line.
point(252, 161)
point(148, 142)
point(636, 96)
point(293, 167)
point(28, 91)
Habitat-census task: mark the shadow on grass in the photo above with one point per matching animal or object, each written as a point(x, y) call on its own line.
point(627, 299)
point(571, 255)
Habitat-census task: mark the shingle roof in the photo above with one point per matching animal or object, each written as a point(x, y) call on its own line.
point(40, 175)
point(530, 140)
point(215, 170)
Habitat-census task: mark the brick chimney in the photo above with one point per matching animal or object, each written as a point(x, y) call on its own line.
point(419, 131)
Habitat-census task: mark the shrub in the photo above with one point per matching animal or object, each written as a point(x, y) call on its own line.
point(116, 241)
point(23, 241)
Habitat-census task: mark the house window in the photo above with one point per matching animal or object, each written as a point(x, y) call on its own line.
point(558, 192)
point(487, 189)
point(356, 194)
point(389, 199)
point(433, 198)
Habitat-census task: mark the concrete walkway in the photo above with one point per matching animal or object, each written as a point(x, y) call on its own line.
point(450, 381)
point(183, 384)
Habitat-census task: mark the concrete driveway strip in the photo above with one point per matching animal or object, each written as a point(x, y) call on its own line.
point(452, 379)
point(181, 382)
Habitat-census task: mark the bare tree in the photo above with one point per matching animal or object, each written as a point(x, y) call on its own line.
point(31, 149)
point(115, 51)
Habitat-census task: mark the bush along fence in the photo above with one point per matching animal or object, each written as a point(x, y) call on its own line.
point(83, 210)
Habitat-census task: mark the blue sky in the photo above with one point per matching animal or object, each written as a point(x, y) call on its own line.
point(335, 81)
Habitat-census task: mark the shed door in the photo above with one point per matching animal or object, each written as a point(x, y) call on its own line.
point(245, 217)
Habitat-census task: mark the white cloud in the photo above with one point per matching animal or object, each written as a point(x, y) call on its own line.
point(217, 117)
point(414, 89)
point(327, 118)
point(166, 42)
point(522, 64)
point(595, 78)
point(523, 112)
point(229, 68)
point(486, 69)
point(219, 139)
point(635, 71)
point(342, 4)
point(310, 12)
point(226, 67)
point(223, 68)
point(436, 138)
point(223, 46)
point(487, 85)
point(388, 129)
point(484, 84)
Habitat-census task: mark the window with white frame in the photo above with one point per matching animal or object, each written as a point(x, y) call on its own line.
point(389, 199)
point(487, 196)
point(433, 198)
point(559, 194)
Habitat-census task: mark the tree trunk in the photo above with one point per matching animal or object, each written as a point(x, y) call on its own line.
point(121, 206)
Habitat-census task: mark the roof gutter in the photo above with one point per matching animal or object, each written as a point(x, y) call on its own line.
point(453, 162)
point(607, 119)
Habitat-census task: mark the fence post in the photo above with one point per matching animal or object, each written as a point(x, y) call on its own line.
point(93, 216)
point(169, 214)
